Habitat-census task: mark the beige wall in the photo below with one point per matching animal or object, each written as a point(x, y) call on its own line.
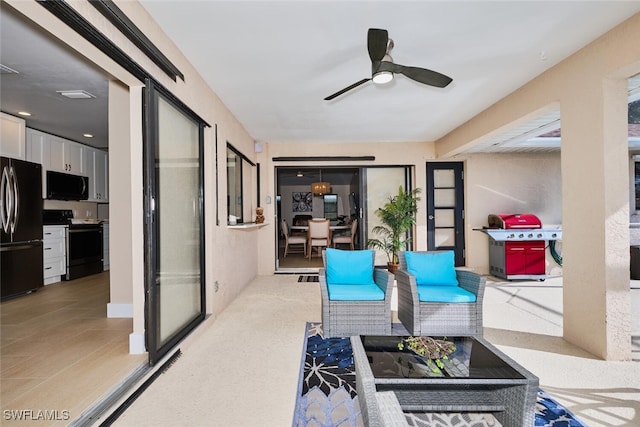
point(510, 183)
point(412, 154)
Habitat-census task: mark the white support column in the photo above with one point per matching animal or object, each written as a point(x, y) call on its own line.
point(595, 177)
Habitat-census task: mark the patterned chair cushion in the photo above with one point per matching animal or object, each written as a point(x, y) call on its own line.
point(432, 269)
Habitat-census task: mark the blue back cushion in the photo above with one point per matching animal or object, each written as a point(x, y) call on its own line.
point(433, 269)
point(349, 267)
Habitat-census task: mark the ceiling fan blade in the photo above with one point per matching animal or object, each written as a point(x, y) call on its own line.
point(346, 89)
point(377, 41)
point(422, 75)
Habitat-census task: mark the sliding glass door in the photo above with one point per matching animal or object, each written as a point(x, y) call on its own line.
point(380, 184)
point(175, 231)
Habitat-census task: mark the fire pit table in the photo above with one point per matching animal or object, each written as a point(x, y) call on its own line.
point(476, 377)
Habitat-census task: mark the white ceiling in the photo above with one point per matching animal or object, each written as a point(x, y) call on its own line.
point(44, 67)
point(272, 63)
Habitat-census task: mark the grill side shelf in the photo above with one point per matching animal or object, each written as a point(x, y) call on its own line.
point(515, 235)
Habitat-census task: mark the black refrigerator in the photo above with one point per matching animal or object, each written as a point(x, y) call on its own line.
point(21, 227)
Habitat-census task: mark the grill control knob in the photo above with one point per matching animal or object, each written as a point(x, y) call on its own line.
point(539, 235)
point(530, 235)
point(521, 236)
point(554, 235)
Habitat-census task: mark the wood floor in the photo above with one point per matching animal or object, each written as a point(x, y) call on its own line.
point(296, 260)
point(60, 353)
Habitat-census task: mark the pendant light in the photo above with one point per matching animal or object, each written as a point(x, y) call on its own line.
point(320, 188)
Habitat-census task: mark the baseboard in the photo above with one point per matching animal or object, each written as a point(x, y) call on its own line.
point(117, 310)
point(136, 343)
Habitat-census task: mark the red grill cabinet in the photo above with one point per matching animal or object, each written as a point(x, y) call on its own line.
point(517, 246)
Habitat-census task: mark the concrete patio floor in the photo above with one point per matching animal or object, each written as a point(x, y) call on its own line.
point(242, 368)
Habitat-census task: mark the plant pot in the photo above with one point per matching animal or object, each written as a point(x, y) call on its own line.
point(391, 267)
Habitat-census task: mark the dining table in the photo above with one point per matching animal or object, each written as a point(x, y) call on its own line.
point(331, 227)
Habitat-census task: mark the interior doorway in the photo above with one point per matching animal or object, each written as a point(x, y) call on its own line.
point(297, 203)
point(354, 193)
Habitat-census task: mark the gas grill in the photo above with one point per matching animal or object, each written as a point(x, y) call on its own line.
point(517, 246)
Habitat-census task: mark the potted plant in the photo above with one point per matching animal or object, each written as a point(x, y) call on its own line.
point(397, 217)
point(434, 351)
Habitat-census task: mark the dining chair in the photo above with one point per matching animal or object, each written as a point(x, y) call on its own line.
point(318, 235)
point(347, 239)
point(293, 239)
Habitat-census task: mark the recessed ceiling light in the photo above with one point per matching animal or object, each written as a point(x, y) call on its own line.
point(87, 135)
point(76, 94)
point(24, 113)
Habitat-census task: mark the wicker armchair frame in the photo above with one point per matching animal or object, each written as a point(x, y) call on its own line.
point(346, 318)
point(434, 318)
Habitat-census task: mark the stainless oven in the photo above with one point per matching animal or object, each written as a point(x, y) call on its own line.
point(84, 250)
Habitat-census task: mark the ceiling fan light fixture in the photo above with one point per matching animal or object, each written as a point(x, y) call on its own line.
point(382, 77)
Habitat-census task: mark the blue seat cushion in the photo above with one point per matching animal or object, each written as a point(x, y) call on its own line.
point(357, 292)
point(444, 294)
point(432, 269)
point(349, 267)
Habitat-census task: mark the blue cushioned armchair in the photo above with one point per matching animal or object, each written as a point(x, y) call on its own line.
point(356, 297)
point(435, 298)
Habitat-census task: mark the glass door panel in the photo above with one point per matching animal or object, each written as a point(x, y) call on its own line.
point(178, 218)
point(175, 270)
point(381, 183)
point(445, 208)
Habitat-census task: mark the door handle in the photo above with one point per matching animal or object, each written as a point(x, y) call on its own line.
point(431, 217)
point(5, 200)
point(16, 200)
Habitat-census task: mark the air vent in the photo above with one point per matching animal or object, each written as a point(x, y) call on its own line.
point(6, 70)
point(76, 94)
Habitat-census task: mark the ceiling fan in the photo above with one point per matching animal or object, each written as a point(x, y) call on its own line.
point(383, 67)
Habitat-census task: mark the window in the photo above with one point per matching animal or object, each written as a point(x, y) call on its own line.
point(240, 175)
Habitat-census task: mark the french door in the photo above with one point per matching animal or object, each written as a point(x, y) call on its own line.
point(174, 233)
point(445, 208)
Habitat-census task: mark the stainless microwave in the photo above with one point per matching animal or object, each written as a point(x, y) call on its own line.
point(64, 186)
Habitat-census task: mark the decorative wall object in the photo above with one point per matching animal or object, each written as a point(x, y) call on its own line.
point(302, 201)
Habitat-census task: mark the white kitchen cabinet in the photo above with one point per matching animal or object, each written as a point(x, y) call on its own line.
point(38, 152)
point(12, 137)
point(101, 175)
point(54, 255)
point(105, 246)
point(65, 156)
point(37, 147)
point(96, 167)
